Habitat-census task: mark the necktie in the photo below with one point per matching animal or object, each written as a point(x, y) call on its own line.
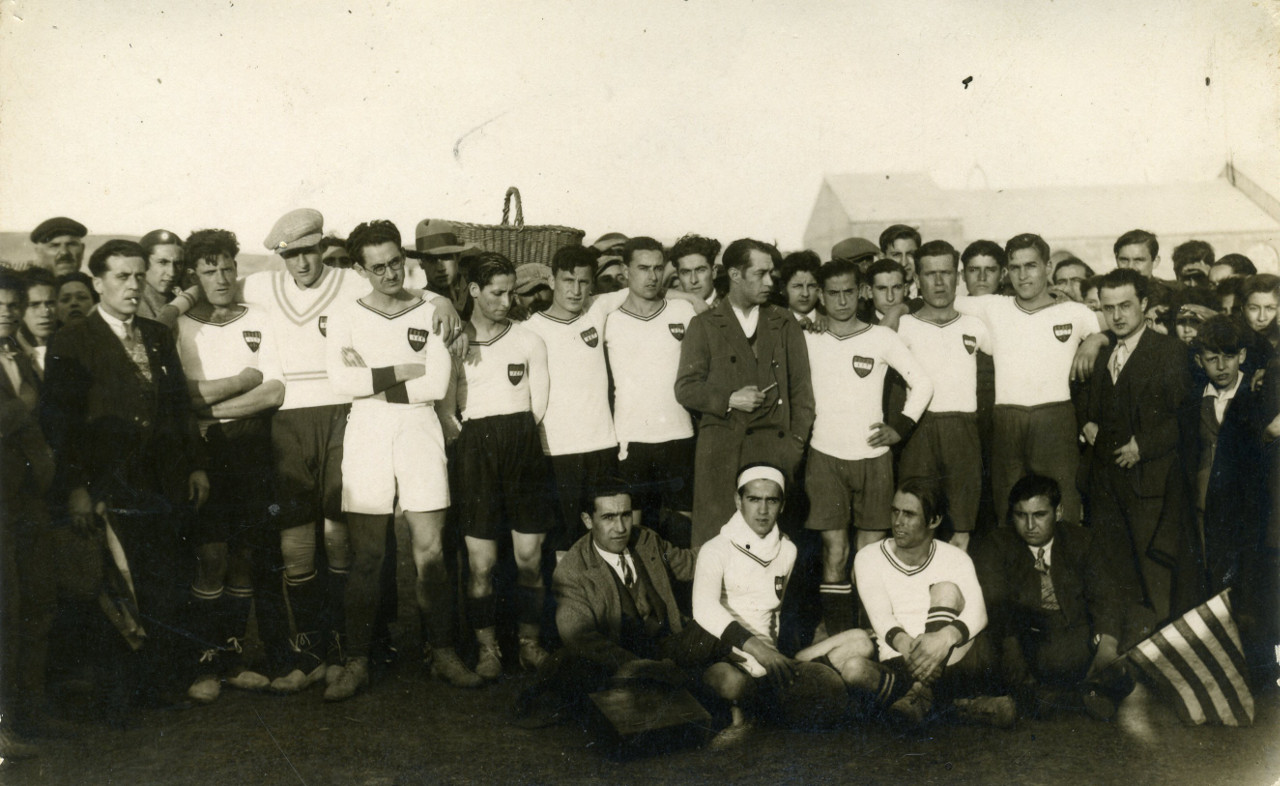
point(137, 351)
point(1117, 360)
point(628, 575)
point(1048, 600)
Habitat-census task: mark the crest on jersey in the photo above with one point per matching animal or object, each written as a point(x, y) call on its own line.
point(677, 330)
point(591, 336)
point(515, 373)
point(970, 343)
point(417, 339)
point(779, 584)
point(862, 366)
point(1062, 332)
point(253, 338)
point(323, 324)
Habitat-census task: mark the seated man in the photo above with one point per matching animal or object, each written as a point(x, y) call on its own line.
point(927, 610)
point(1057, 612)
point(738, 586)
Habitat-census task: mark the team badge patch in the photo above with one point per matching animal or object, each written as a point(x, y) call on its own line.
point(515, 373)
point(862, 366)
point(591, 336)
point(1062, 332)
point(677, 330)
point(417, 339)
point(323, 324)
point(778, 585)
point(253, 338)
point(970, 343)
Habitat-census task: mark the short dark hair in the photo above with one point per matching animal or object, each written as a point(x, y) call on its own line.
point(1031, 486)
point(1135, 237)
point(1191, 252)
point(569, 258)
point(798, 262)
point(208, 244)
point(488, 265)
point(641, 243)
point(77, 277)
point(113, 248)
point(1240, 264)
point(1232, 286)
point(984, 248)
point(938, 248)
point(331, 241)
point(1220, 334)
point(933, 499)
point(1088, 271)
point(16, 284)
point(371, 233)
point(839, 267)
point(1125, 277)
point(36, 276)
point(738, 255)
point(607, 486)
point(1089, 284)
point(895, 233)
point(1027, 240)
point(1261, 283)
point(695, 244)
point(885, 266)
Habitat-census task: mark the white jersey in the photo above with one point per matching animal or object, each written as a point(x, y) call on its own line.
point(211, 351)
point(1032, 350)
point(385, 340)
point(740, 578)
point(504, 375)
point(848, 388)
point(644, 353)
point(947, 354)
point(896, 595)
point(578, 419)
point(300, 318)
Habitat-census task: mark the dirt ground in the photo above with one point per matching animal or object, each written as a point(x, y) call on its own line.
point(410, 729)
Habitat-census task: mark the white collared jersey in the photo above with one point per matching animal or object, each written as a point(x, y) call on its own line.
point(578, 419)
point(300, 317)
point(384, 340)
point(500, 374)
point(216, 351)
point(947, 354)
point(896, 595)
point(1032, 350)
point(848, 388)
point(644, 354)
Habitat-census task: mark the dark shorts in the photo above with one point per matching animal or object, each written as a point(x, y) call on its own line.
point(240, 481)
point(945, 447)
point(1041, 439)
point(660, 473)
point(501, 478)
point(861, 489)
point(573, 475)
point(307, 445)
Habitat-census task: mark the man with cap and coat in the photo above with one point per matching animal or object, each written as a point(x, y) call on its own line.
point(59, 244)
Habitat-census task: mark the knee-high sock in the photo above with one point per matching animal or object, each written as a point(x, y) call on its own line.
point(206, 613)
point(305, 601)
point(335, 590)
point(233, 618)
point(837, 606)
point(482, 612)
point(529, 602)
point(437, 602)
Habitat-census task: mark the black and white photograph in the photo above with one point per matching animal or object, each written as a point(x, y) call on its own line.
point(684, 391)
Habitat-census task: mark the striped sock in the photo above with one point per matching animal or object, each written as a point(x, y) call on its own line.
point(837, 606)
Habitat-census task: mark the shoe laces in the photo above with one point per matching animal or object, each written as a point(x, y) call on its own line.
point(234, 645)
point(209, 655)
point(300, 642)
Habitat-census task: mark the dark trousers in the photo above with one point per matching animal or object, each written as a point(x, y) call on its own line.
point(1127, 524)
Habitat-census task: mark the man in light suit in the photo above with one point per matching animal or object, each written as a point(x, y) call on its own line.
point(1130, 416)
point(118, 416)
point(743, 366)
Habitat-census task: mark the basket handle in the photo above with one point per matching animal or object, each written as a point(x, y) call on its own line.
point(506, 208)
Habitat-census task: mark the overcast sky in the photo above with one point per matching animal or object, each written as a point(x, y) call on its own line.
point(655, 117)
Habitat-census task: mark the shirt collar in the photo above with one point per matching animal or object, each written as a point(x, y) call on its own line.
point(1048, 551)
point(1212, 392)
point(1132, 341)
point(118, 326)
point(611, 559)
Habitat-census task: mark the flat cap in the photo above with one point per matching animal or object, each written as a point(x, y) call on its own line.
point(299, 228)
point(437, 237)
point(159, 237)
point(57, 227)
point(609, 240)
point(854, 248)
point(531, 276)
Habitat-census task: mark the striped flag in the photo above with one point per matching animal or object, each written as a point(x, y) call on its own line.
point(1199, 658)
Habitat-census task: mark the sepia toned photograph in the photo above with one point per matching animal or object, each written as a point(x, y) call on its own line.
point(686, 391)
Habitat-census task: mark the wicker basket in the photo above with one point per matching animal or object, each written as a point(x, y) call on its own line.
point(519, 242)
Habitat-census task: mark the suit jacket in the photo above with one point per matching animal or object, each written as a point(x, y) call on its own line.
point(1143, 404)
point(1083, 581)
point(114, 433)
point(589, 603)
point(26, 464)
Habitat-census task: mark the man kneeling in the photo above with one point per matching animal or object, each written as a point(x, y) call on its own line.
point(738, 586)
point(926, 608)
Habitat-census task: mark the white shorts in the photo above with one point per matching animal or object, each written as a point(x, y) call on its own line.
point(393, 450)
